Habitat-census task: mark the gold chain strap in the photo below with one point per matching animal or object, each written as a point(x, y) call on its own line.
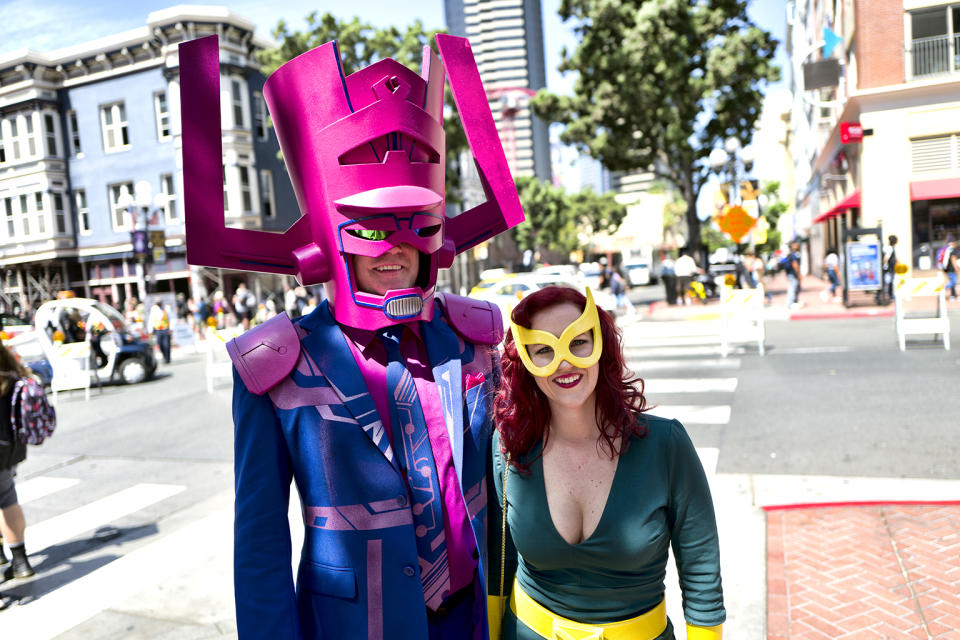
point(503, 534)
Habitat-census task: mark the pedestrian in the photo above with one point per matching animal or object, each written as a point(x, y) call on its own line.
point(618, 287)
point(160, 327)
point(244, 305)
point(832, 265)
point(684, 268)
point(889, 266)
point(377, 403)
point(669, 277)
point(951, 266)
point(585, 549)
point(13, 451)
point(792, 267)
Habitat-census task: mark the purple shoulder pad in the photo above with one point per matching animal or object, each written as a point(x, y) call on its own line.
point(477, 321)
point(266, 354)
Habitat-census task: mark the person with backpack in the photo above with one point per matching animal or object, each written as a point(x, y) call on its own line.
point(13, 451)
point(951, 266)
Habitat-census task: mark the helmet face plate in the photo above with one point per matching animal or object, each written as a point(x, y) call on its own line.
point(366, 159)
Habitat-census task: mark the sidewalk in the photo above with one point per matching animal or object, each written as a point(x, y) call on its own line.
point(815, 304)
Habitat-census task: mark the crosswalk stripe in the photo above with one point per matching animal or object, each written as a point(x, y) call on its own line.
point(104, 511)
point(694, 414)
point(689, 385)
point(80, 600)
point(642, 364)
point(42, 486)
point(678, 351)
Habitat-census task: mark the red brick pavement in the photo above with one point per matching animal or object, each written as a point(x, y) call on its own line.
point(863, 571)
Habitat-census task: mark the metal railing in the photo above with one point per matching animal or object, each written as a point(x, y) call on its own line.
point(935, 55)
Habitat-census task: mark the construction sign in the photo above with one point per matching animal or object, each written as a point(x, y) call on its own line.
point(735, 222)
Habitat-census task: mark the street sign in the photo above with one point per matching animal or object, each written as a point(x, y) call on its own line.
point(735, 222)
point(850, 132)
point(139, 239)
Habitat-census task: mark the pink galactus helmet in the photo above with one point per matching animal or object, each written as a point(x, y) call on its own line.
point(366, 156)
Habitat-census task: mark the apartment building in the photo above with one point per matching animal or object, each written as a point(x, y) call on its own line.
point(91, 160)
point(507, 40)
point(881, 145)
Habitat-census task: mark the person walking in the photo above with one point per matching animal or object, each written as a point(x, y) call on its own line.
point(684, 269)
point(793, 276)
point(618, 287)
point(951, 266)
point(585, 551)
point(832, 265)
point(13, 524)
point(244, 305)
point(160, 327)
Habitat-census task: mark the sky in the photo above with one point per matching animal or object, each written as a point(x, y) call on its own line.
point(41, 25)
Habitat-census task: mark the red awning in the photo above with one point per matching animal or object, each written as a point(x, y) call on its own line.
point(935, 189)
point(850, 202)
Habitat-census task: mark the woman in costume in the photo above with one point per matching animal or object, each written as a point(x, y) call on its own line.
point(595, 489)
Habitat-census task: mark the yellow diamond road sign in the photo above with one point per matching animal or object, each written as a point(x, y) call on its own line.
point(735, 222)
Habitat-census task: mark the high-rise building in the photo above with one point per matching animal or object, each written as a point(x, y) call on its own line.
point(507, 41)
point(91, 166)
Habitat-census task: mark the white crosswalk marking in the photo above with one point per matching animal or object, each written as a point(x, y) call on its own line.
point(689, 385)
point(694, 414)
point(42, 486)
point(638, 362)
point(104, 511)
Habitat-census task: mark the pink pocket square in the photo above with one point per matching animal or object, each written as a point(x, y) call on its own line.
point(473, 379)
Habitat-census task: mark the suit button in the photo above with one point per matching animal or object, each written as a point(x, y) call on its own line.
point(409, 571)
point(402, 500)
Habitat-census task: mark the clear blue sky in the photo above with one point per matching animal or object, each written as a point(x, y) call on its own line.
point(47, 25)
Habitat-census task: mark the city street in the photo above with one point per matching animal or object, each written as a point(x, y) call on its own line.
point(129, 504)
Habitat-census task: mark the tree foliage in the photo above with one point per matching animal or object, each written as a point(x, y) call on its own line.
point(361, 44)
point(659, 84)
point(555, 219)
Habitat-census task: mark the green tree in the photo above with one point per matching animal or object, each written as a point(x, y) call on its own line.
point(659, 84)
point(361, 44)
point(555, 219)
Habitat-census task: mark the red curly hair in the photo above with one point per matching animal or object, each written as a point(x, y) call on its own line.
point(522, 412)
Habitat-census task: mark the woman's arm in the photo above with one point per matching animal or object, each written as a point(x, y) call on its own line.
point(694, 539)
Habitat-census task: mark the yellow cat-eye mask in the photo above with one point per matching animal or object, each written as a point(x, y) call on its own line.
point(551, 350)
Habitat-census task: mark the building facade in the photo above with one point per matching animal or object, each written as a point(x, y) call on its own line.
point(91, 160)
point(507, 40)
point(881, 145)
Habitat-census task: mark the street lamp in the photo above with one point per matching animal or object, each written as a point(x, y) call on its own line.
point(142, 200)
point(732, 157)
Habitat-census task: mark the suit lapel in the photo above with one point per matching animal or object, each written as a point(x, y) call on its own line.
point(443, 351)
point(328, 347)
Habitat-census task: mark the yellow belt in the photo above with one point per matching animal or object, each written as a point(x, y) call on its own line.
point(547, 624)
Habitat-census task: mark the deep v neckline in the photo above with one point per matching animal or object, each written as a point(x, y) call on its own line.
point(603, 514)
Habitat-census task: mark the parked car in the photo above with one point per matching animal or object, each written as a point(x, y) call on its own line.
point(82, 338)
point(637, 272)
point(506, 292)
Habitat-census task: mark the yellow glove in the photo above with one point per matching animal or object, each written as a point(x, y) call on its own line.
point(704, 633)
point(493, 614)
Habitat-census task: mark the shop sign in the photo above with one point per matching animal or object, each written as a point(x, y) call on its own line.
point(850, 132)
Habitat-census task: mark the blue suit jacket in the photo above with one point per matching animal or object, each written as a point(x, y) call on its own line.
point(358, 575)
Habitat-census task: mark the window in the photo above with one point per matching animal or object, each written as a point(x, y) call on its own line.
point(170, 197)
point(267, 206)
point(74, 129)
point(935, 37)
point(83, 213)
point(41, 215)
point(120, 219)
point(3, 152)
point(14, 137)
point(59, 215)
point(113, 121)
point(50, 132)
point(163, 115)
point(245, 195)
point(236, 99)
point(259, 116)
point(11, 228)
point(226, 190)
point(31, 140)
point(24, 220)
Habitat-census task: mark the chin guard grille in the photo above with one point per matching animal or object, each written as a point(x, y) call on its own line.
point(403, 307)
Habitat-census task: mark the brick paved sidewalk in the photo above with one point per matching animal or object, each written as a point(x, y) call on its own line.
point(863, 571)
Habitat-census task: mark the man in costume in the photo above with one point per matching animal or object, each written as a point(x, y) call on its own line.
point(377, 404)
